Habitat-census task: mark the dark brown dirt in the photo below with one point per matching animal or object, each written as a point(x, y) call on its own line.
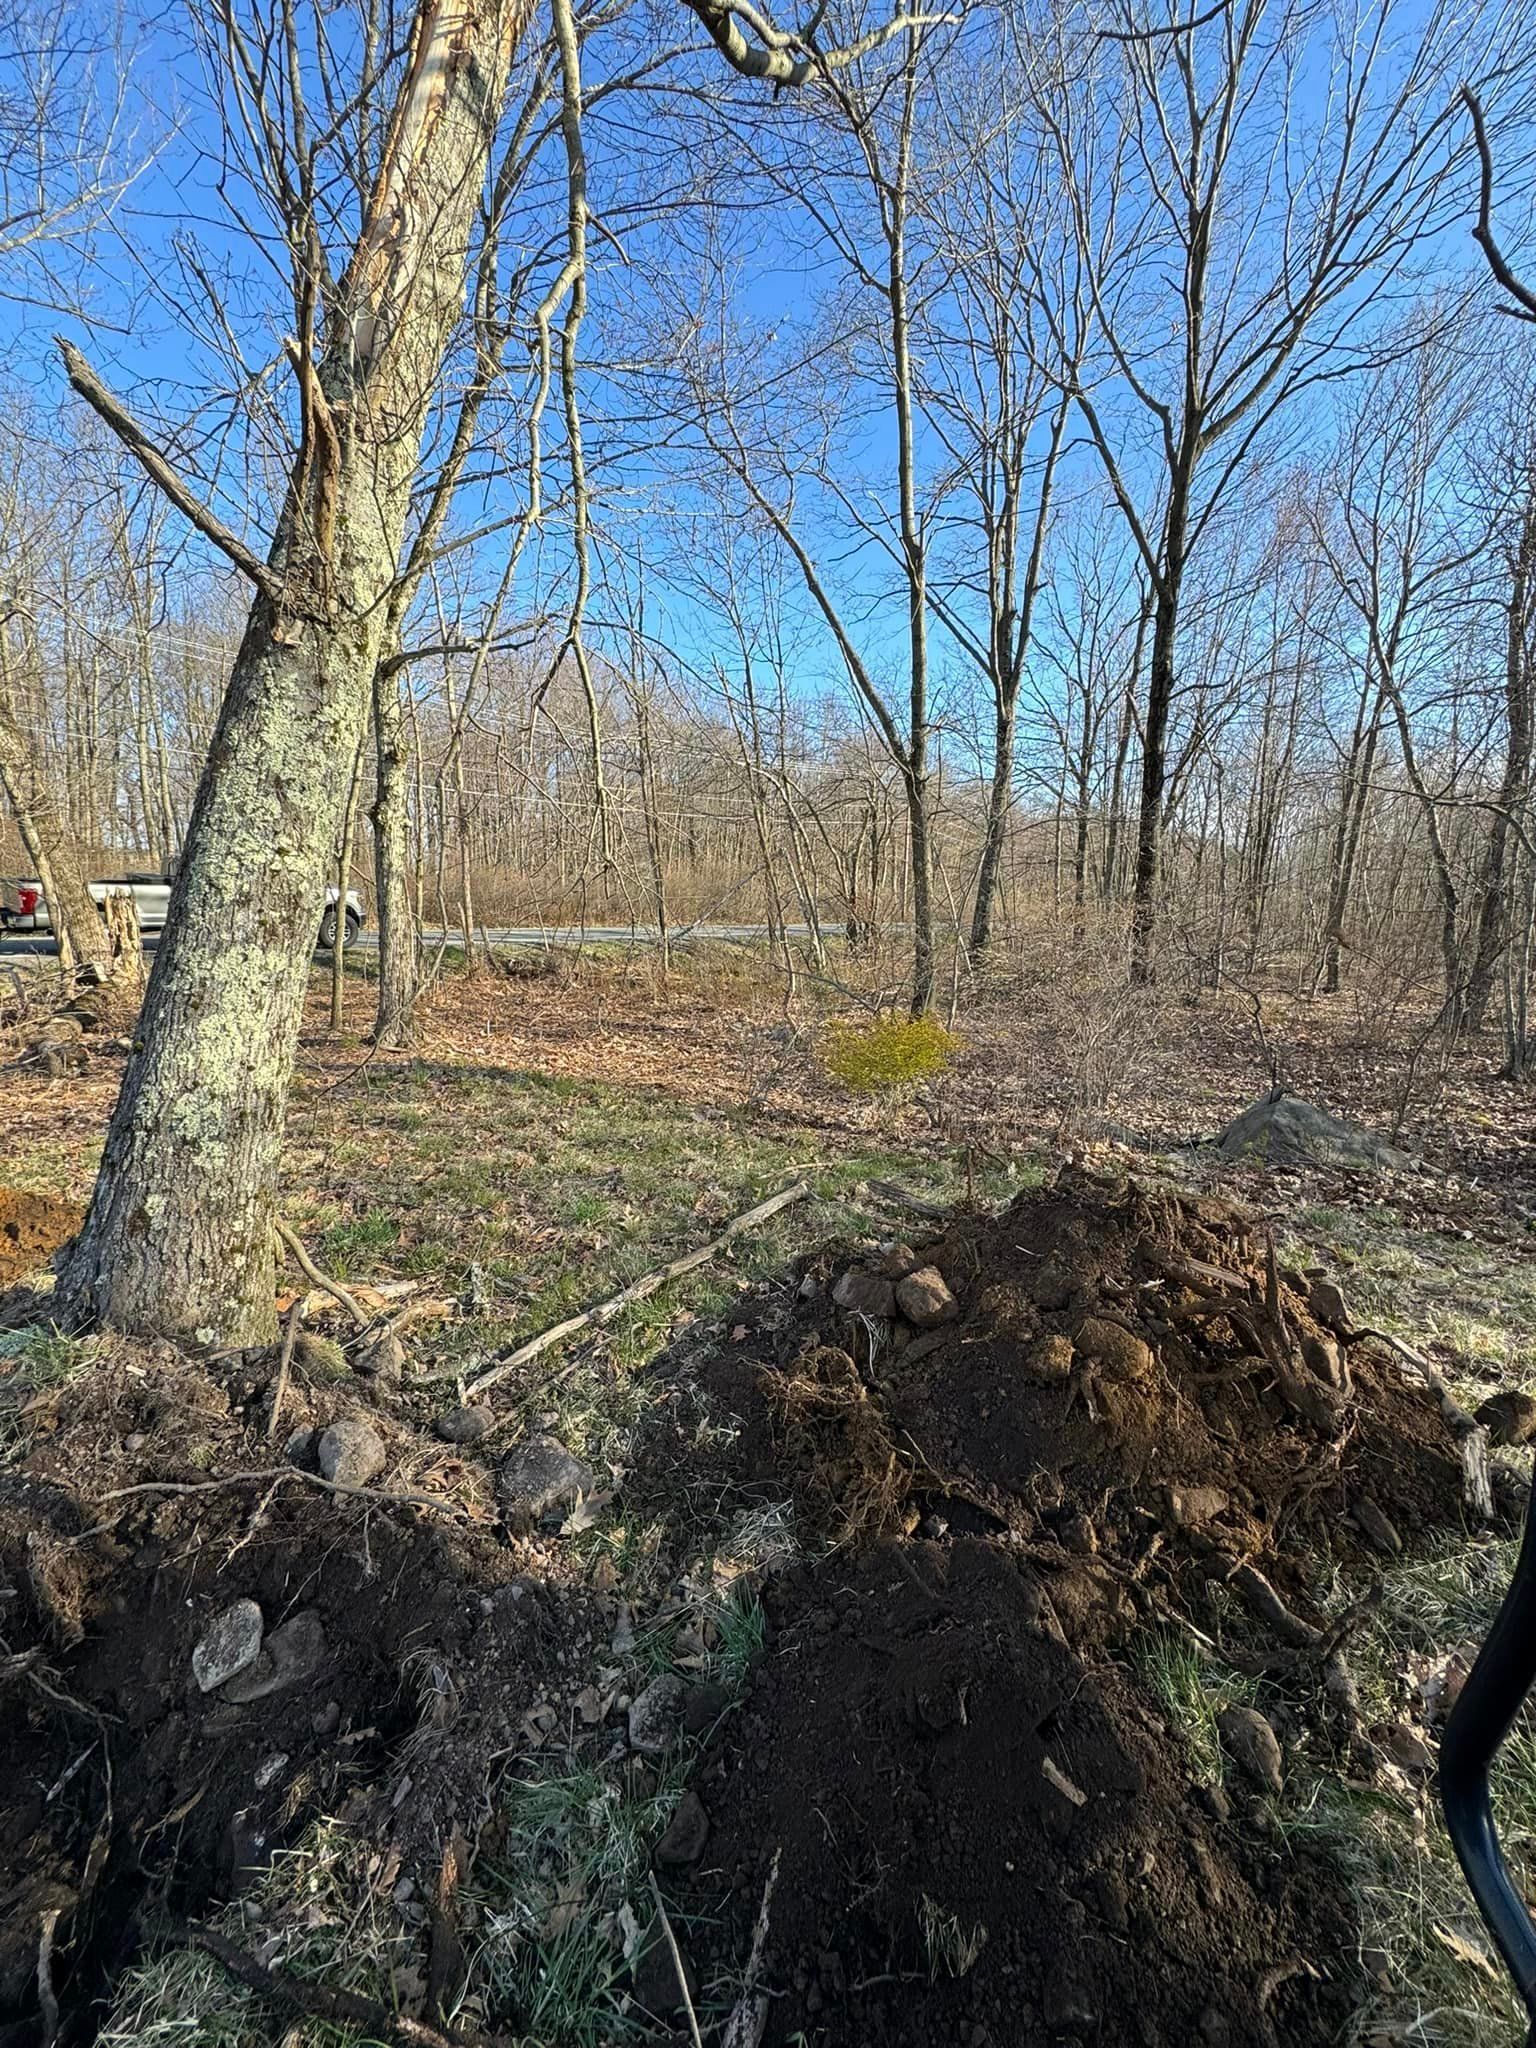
point(949, 1733)
point(32, 1229)
point(130, 1796)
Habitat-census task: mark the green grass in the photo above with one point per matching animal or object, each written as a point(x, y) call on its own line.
point(1192, 1689)
point(36, 1359)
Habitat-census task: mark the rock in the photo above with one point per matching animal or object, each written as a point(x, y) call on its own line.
point(381, 1356)
point(1376, 1529)
point(463, 1425)
point(683, 1843)
point(538, 1478)
point(1509, 1418)
point(1326, 1300)
point(1191, 1507)
point(1253, 1746)
point(303, 1449)
point(269, 1772)
point(351, 1452)
point(1322, 1357)
point(653, 1975)
point(1283, 1130)
point(327, 1719)
point(289, 1656)
point(656, 1716)
point(1078, 1534)
point(703, 1707)
point(1215, 1801)
point(924, 1298)
point(1406, 1747)
point(1049, 1359)
point(864, 1293)
point(1111, 1345)
point(229, 1644)
point(896, 1261)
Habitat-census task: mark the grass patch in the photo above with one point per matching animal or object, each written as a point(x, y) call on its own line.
point(34, 1362)
point(1192, 1691)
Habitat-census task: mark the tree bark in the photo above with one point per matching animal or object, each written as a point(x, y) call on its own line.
point(1493, 920)
point(178, 1240)
point(399, 947)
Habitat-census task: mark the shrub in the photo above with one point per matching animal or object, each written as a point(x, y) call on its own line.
point(893, 1052)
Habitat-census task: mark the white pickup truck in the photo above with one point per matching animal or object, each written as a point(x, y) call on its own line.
point(24, 908)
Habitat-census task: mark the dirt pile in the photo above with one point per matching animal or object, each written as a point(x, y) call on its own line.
point(32, 1229)
point(1131, 1428)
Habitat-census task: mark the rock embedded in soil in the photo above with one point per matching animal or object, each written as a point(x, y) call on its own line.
point(229, 1645)
point(1253, 1746)
point(1282, 1130)
point(381, 1356)
point(1375, 1527)
point(688, 1830)
point(538, 1478)
point(1509, 1418)
point(302, 1449)
point(924, 1298)
point(351, 1452)
point(1049, 1360)
point(1191, 1507)
point(656, 1716)
point(463, 1425)
point(289, 1656)
point(864, 1293)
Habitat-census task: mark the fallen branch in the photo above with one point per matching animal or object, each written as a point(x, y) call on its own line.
point(637, 1290)
point(903, 1198)
point(1267, 1604)
point(677, 1963)
point(316, 1278)
point(285, 1360)
point(316, 2001)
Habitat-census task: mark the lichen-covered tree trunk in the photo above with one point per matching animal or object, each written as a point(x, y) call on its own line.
point(178, 1238)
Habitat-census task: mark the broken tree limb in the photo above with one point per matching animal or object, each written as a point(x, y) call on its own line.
point(316, 1278)
point(1267, 1604)
point(637, 1290)
point(903, 1198)
point(285, 1361)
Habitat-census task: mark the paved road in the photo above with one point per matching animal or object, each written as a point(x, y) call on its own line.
point(33, 945)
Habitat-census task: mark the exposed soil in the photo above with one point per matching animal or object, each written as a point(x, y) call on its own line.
point(948, 1748)
point(32, 1229)
point(984, 1830)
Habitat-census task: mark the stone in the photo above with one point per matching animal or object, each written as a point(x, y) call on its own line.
point(864, 1293)
point(463, 1425)
point(1282, 1130)
point(538, 1478)
point(327, 1719)
point(924, 1298)
point(351, 1452)
point(290, 1655)
point(1049, 1359)
point(381, 1356)
point(1509, 1418)
point(1374, 1526)
point(1079, 1534)
point(229, 1644)
point(896, 1261)
point(269, 1772)
point(1191, 1507)
point(1321, 1356)
point(1253, 1746)
point(303, 1448)
point(1326, 1300)
point(1114, 1347)
point(656, 1715)
point(688, 1830)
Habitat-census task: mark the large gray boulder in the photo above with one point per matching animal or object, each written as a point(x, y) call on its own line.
point(1283, 1130)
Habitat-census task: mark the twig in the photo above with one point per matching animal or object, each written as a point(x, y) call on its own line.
point(47, 1997)
point(414, 1500)
point(744, 2028)
point(677, 1962)
point(316, 1278)
point(637, 1290)
point(316, 2001)
point(280, 1391)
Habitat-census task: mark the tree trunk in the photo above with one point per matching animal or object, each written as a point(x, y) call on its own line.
point(995, 834)
point(1493, 919)
point(399, 947)
point(1154, 775)
point(81, 935)
point(178, 1240)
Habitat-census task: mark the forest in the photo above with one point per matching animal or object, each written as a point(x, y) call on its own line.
point(767, 921)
